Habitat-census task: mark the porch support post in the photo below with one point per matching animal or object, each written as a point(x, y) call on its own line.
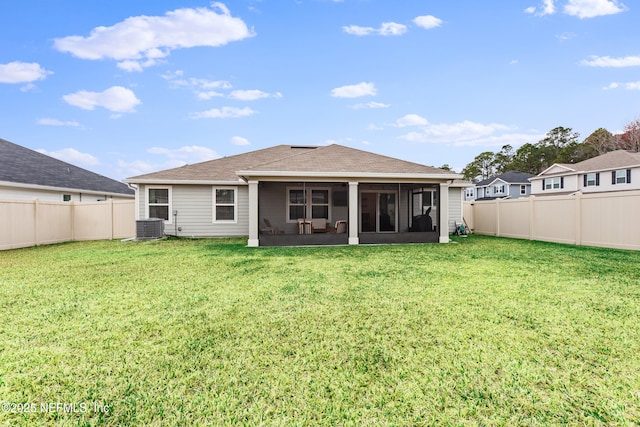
point(253, 214)
point(444, 212)
point(353, 214)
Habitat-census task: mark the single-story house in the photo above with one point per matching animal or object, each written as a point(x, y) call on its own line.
point(613, 171)
point(510, 184)
point(27, 174)
point(304, 195)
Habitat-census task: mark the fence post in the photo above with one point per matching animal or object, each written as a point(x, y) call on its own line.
point(578, 220)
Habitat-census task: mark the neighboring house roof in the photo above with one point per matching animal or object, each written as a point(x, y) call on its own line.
point(509, 177)
point(21, 165)
point(612, 160)
point(286, 160)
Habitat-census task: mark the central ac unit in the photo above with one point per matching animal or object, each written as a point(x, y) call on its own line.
point(150, 228)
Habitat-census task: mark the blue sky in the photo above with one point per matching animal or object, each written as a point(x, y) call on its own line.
point(127, 87)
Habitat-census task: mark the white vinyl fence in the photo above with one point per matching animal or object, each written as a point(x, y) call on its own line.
point(610, 220)
point(26, 223)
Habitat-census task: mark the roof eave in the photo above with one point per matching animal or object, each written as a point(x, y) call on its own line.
point(169, 181)
point(375, 175)
point(67, 189)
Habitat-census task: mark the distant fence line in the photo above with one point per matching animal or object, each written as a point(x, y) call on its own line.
point(600, 219)
point(25, 223)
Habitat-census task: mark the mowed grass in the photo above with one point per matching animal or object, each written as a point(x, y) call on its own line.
point(485, 331)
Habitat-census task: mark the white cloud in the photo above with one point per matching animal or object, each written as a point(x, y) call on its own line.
point(22, 72)
point(411, 120)
point(238, 140)
point(188, 154)
point(547, 8)
point(580, 8)
point(73, 156)
point(206, 89)
point(354, 91)
point(138, 167)
point(208, 95)
point(592, 8)
point(462, 133)
point(386, 29)
point(566, 36)
point(427, 21)
point(175, 157)
point(252, 95)
point(116, 98)
point(392, 29)
point(607, 61)
point(142, 41)
point(356, 30)
point(370, 105)
point(210, 84)
point(626, 86)
point(224, 113)
point(56, 122)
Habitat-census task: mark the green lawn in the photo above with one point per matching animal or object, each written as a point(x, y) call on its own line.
point(485, 331)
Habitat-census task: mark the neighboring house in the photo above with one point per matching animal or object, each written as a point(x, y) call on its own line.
point(288, 195)
point(613, 171)
point(511, 184)
point(27, 174)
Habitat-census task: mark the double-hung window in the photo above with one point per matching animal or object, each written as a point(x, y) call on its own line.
point(159, 203)
point(622, 176)
point(591, 179)
point(224, 204)
point(523, 190)
point(553, 183)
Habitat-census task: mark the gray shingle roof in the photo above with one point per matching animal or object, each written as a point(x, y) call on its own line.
point(617, 159)
point(24, 166)
point(287, 158)
point(511, 177)
point(611, 160)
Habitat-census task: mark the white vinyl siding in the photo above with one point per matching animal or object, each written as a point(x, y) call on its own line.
point(194, 206)
point(455, 207)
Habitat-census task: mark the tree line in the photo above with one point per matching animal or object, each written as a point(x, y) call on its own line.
point(560, 145)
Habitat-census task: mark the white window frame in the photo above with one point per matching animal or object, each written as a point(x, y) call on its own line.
point(470, 192)
point(621, 176)
point(552, 183)
point(498, 189)
point(170, 195)
point(309, 202)
point(216, 204)
point(591, 180)
point(523, 189)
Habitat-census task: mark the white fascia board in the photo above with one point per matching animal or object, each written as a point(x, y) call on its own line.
point(62, 189)
point(496, 180)
point(350, 175)
point(569, 170)
point(463, 185)
point(184, 182)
